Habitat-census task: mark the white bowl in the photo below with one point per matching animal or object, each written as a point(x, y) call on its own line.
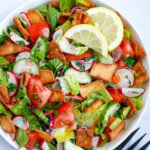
point(131, 123)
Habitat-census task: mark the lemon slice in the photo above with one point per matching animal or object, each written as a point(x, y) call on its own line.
point(90, 36)
point(109, 23)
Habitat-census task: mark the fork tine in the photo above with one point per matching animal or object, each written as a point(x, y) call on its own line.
point(127, 140)
point(144, 147)
point(136, 142)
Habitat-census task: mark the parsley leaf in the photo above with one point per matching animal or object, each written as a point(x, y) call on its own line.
point(12, 87)
point(130, 61)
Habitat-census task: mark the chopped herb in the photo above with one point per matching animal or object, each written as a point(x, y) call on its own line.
point(128, 80)
point(36, 144)
point(82, 67)
point(35, 96)
point(20, 42)
point(92, 57)
point(123, 57)
point(111, 84)
point(130, 61)
point(12, 87)
point(55, 113)
point(135, 74)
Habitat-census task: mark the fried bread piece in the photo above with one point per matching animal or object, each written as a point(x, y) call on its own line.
point(25, 78)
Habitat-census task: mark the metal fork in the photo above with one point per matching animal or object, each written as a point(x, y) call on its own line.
point(132, 146)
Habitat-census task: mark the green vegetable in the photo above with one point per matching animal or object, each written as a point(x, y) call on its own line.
point(130, 61)
point(137, 101)
point(53, 65)
point(14, 29)
point(40, 49)
point(22, 95)
point(21, 137)
point(65, 5)
point(111, 84)
point(22, 109)
point(104, 142)
point(12, 87)
point(124, 112)
point(41, 115)
point(3, 61)
point(105, 60)
point(87, 103)
point(62, 135)
point(21, 43)
point(89, 118)
point(51, 146)
point(42, 9)
point(52, 17)
point(3, 78)
point(127, 34)
point(4, 111)
point(73, 84)
point(65, 26)
point(115, 123)
point(4, 36)
point(83, 2)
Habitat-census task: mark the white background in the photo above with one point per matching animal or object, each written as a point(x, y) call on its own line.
point(137, 13)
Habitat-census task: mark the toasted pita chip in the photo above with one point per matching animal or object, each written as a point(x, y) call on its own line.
point(56, 96)
point(84, 138)
point(132, 107)
point(96, 105)
point(8, 48)
point(24, 79)
point(55, 3)
point(47, 76)
point(88, 89)
point(55, 52)
point(20, 27)
point(66, 15)
point(103, 71)
point(141, 73)
point(7, 124)
point(115, 132)
point(4, 97)
point(139, 51)
point(44, 135)
point(80, 18)
point(35, 16)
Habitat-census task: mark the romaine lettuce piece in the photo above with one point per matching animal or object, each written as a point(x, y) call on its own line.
point(3, 77)
point(137, 101)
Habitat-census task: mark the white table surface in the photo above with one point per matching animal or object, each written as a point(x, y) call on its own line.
point(138, 14)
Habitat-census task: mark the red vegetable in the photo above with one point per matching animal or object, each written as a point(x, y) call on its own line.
point(39, 29)
point(65, 116)
point(116, 95)
point(37, 93)
point(71, 57)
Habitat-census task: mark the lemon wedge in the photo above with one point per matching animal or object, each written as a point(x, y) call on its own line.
point(109, 23)
point(90, 36)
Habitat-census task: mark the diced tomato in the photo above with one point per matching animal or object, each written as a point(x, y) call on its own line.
point(71, 57)
point(39, 29)
point(65, 116)
point(33, 138)
point(37, 93)
point(127, 48)
point(61, 19)
point(117, 95)
point(11, 58)
point(122, 64)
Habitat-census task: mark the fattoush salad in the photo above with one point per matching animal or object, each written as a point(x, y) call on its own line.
point(70, 76)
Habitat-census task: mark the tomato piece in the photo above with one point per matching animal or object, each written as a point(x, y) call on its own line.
point(39, 29)
point(122, 64)
point(65, 116)
point(62, 19)
point(37, 93)
point(117, 95)
point(127, 48)
point(71, 57)
point(11, 58)
point(33, 138)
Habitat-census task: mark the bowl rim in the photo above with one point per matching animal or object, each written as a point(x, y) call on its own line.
point(142, 43)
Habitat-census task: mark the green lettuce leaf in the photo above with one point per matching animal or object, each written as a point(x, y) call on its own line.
point(14, 29)
point(22, 137)
point(22, 109)
point(42, 9)
point(3, 61)
point(52, 17)
point(4, 111)
point(4, 36)
point(65, 26)
point(51, 146)
point(3, 78)
point(83, 2)
point(65, 5)
point(137, 101)
point(54, 65)
point(73, 84)
point(87, 103)
point(124, 112)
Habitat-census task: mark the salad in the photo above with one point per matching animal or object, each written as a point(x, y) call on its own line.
point(70, 76)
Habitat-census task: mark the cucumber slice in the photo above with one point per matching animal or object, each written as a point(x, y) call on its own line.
point(115, 123)
point(111, 109)
point(40, 48)
point(82, 77)
point(70, 146)
point(26, 65)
